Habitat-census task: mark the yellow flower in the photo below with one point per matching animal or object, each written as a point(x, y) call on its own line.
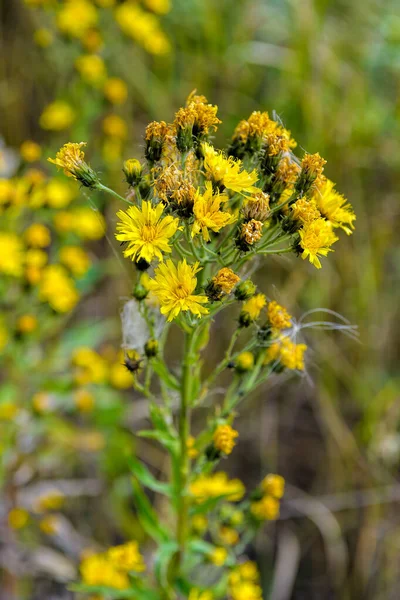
point(146, 232)
point(253, 307)
point(218, 556)
point(97, 569)
point(245, 590)
point(8, 410)
point(72, 159)
point(6, 190)
point(228, 536)
point(75, 259)
point(87, 223)
point(18, 518)
point(58, 289)
point(273, 485)
point(316, 238)
point(289, 354)
point(174, 287)
point(92, 40)
point(115, 90)
point(248, 571)
point(92, 368)
point(120, 377)
point(304, 211)
point(313, 164)
point(161, 7)
point(27, 323)
point(49, 524)
point(30, 151)
point(11, 254)
point(207, 212)
point(334, 207)
point(192, 450)
point(59, 194)
point(37, 236)
point(244, 362)
point(91, 68)
point(265, 509)
point(250, 233)
point(84, 400)
point(227, 172)
point(224, 438)
point(215, 486)
point(143, 27)
point(76, 17)
point(51, 501)
point(278, 316)
point(57, 116)
point(126, 557)
point(222, 283)
point(199, 524)
point(115, 126)
point(196, 594)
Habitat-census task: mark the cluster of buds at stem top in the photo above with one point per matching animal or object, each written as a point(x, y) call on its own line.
point(71, 158)
point(249, 233)
point(133, 171)
point(312, 167)
point(155, 138)
point(221, 284)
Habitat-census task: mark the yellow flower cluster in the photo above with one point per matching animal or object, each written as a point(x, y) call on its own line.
point(267, 507)
point(286, 353)
point(244, 582)
point(215, 486)
point(224, 438)
point(112, 568)
point(94, 368)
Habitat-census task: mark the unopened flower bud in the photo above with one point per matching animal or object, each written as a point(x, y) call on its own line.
point(256, 207)
point(151, 348)
point(245, 290)
point(244, 362)
point(140, 292)
point(222, 283)
point(155, 139)
point(133, 171)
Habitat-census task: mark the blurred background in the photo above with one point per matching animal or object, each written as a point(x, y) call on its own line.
point(331, 71)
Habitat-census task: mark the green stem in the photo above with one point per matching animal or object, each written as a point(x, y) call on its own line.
point(104, 188)
point(189, 360)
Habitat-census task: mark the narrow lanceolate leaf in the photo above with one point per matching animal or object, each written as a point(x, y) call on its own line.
point(162, 562)
point(162, 371)
point(146, 515)
point(147, 479)
point(161, 418)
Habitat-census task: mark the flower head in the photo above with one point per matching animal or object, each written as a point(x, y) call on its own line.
point(287, 353)
point(57, 116)
point(174, 287)
point(97, 569)
point(146, 231)
point(215, 486)
point(278, 316)
point(334, 207)
point(273, 485)
point(226, 280)
point(266, 509)
point(72, 159)
point(227, 172)
point(316, 238)
point(208, 214)
point(224, 438)
point(126, 557)
point(251, 309)
point(11, 254)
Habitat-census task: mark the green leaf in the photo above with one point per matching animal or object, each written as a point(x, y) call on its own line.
point(161, 369)
point(164, 439)
point(147, 516)
point(162, 420)
point(147, 479)
point(162, 562)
